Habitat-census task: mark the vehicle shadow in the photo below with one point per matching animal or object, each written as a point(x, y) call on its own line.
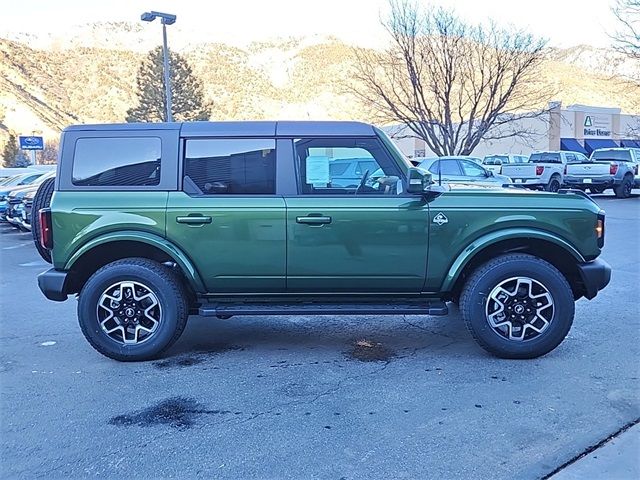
point(399, 336)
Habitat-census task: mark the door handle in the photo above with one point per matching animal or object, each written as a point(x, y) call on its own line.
point(194, 220)
point(313, 220)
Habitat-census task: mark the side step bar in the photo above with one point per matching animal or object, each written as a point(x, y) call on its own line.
point(435, 308)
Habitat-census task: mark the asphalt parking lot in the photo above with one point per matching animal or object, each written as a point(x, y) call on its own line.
point(314, 397)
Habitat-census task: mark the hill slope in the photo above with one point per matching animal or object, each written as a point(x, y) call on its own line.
point(46, 88)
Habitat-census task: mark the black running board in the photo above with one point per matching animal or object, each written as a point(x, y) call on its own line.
point(435, 308)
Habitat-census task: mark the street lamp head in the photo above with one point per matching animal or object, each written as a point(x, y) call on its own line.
point(167, 18)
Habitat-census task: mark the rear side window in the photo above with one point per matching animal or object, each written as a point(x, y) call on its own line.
point(226, 166)
point(496, 160)
point(619, 155)
point(545, 157)
point(123, 161)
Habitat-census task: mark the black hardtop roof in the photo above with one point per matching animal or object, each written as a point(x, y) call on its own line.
point(242, 129)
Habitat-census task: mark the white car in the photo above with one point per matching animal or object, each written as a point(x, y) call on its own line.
point(494, 163)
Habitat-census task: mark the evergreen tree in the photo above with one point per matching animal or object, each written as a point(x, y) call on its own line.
point(187, 95)
point(12, 156)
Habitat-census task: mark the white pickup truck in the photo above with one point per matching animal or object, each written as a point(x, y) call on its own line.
point(543, 171)
point(615, 168)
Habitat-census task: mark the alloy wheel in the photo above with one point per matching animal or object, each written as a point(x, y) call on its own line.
point(129, 312)
point(519, 309)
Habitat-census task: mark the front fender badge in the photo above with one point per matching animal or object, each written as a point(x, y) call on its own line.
point(440, 219)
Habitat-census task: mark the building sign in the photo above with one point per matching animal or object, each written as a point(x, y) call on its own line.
point(31, 143)
point(597, 125)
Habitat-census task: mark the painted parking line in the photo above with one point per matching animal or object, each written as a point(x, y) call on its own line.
point(36, 263)
point(12, 247)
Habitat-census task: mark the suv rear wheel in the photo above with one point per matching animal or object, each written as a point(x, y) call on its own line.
point(133, 309)
point(518, 306)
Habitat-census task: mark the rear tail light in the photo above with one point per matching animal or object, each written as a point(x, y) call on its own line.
point(600, 229)
point(539, 169)
point(46, 232)
point(613, 168)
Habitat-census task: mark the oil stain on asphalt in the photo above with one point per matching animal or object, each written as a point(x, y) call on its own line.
point(176, 412)
point(200, 356)
point(370, 351)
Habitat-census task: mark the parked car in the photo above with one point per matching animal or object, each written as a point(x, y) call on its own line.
point(615, 168)
point(494, 163)
point(14, 205)
point(348, 172)
point(27, 205)
point(242, 220)
point(460, 170)
point(14, 172)
point(14, 182)
point(543, 171)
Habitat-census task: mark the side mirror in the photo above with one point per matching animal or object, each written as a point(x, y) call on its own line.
point(489, 173)
point(419, 181)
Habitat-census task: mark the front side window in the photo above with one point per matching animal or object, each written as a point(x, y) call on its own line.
point(471, 169)
point(346, 166)
point(230, 166)
point(115, 162)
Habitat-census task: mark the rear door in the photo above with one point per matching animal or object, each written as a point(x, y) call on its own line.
point(359, 239)
point(227, 217)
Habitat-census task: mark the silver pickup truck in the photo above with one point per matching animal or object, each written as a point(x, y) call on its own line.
point(543, 171)
point(615, 168)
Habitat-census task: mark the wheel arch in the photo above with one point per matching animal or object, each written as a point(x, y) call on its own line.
point(111, 247)
point(555, 250)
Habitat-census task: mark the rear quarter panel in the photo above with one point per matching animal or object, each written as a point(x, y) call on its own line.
point(80, 216)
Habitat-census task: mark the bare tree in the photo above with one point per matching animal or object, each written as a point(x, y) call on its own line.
point(450, 83)
point(627, 37)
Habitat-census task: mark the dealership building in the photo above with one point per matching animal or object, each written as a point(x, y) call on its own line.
point(579, 128)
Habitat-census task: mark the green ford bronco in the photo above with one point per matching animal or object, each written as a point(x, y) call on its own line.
point(149, 223)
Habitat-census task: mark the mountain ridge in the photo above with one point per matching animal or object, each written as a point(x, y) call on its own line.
point(44, 88)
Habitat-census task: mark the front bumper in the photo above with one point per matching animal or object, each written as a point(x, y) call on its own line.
point(53, 284)
point(595, 276)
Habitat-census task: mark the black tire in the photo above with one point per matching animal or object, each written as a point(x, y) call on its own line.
point(624, 189)
point(164, 283)
point(553, 185)
point(42, 199)
point(482, 282)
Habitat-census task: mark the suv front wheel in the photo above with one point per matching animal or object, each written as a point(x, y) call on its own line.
point(133, 309)
point(518, 306)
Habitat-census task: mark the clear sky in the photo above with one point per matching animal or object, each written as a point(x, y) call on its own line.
point(564, 22)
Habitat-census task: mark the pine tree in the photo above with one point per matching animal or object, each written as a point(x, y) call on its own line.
point(12, 156)
point(187, 95)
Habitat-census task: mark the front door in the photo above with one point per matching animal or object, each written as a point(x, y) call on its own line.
point(362, 236)
point(227, 218)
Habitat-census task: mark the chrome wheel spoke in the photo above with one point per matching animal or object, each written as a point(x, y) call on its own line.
point(519, 308)
point(129, 312)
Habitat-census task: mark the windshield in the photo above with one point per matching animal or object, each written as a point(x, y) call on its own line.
point(495, 160)
point(545, 157)
point(393, 149)
point(621, 155)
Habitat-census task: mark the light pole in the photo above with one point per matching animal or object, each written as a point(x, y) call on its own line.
point(167, 19)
